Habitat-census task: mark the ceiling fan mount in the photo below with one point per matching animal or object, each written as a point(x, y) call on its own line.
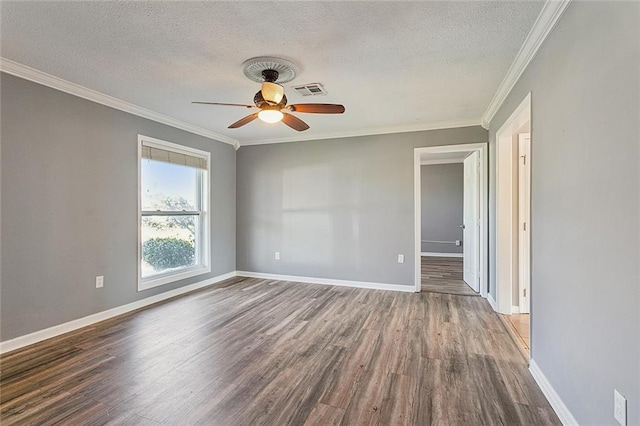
point(271, 100)
point(270, 76)
point(253, 69)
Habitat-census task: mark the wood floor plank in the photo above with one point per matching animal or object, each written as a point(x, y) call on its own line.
point(264, 352)
point(324, 415)
point(444, 275)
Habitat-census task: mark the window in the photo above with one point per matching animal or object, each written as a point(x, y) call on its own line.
point(173, 218)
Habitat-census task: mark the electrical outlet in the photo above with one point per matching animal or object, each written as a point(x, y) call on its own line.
point(99, 281)
point(401, 258)
point(277, 255)
point(457, 242)
point(620, 408)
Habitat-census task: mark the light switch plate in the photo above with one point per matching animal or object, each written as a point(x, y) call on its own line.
point(619, 408)
point(99, 281)
point(277, 255)
point(401, 258)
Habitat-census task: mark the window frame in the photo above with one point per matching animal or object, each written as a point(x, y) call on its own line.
point(204, 225)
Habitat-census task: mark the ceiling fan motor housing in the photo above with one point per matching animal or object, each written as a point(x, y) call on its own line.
point(260, 102)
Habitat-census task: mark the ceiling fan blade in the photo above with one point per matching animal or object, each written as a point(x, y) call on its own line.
point(246, 120)
point(294, 122)
point(317, 108)
point(224, 104)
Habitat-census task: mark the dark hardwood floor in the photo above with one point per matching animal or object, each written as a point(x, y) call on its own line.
point(260, 352)
point(444, 275)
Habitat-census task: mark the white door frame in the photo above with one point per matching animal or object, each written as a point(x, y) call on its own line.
point(507, 268)
point(481, 148)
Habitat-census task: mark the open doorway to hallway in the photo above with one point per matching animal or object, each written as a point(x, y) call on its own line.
point(448, 265)
point(513, 224)
point(451, 225)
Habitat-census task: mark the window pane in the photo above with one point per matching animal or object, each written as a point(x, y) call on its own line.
point(169, 187)
point(168, 243)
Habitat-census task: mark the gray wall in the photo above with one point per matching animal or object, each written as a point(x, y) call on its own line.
point(69, 202)
point(585, 226)
point(442, 188)
point(338, 208)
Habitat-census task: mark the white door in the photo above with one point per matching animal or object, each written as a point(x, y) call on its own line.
point(524, 216)
point(471, 226)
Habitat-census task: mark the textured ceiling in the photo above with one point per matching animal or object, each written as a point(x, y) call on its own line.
point(395, 66)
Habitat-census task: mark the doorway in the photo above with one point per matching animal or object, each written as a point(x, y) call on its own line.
point(513, 223)
point(470, 259)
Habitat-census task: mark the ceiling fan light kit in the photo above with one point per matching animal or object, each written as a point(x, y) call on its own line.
point(271, 100)
point(270, 115)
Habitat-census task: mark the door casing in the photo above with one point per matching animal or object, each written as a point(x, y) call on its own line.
point(507, 265)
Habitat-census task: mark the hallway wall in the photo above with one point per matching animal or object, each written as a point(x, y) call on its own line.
point(585, 232)
point(442, 196)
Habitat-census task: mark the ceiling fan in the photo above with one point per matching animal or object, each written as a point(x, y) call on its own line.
point(272, 103)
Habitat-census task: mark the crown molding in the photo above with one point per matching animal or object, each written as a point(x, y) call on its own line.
point(23, 71)
point(19, 70)
point(368, 132)
point(549, 15)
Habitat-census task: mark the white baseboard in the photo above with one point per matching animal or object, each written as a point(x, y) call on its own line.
point(492, 302)
point(56, 330)
point(327, 281)
point(433, 254)
point(554, 399)
point(515, 309)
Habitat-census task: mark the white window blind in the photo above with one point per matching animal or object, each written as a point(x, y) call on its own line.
point(159, 154)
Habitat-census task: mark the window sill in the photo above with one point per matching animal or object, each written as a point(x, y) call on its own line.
point(146, 284)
